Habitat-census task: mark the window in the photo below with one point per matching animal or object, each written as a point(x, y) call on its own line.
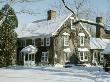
point(47, 41)
point(28, 42)
point(24, 43)
point(42, 41)
point(33, 42)
point(101, 58)
point(83, 56)
point(33, 57)
point(81, 40)
point(72, 20)
point(67, 57)
point(44, 57)
point(66, 40)
point(81, 35)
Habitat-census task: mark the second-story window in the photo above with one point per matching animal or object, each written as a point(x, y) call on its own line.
point(24, 43)
point(33, 42)
point(47, 41)
point(42, 41)
point(72, 21)
point(66, 39)
point(81, 37)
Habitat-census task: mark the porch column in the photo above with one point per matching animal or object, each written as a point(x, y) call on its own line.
point(31, 57)
point(25, 42)
point(21, 59)
point(19, 56)
point(34, 57)
point(28, 57)
point(24, 58)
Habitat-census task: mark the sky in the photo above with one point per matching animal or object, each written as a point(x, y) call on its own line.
point(40, 8)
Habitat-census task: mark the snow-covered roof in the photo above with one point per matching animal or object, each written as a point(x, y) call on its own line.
point(41, 27)
point(44, 27)
point(98, 43)
point(83, 49)
point(29, 49)
point(84, 28)
point(81, 34)
point(65, 33)
point(107, 49)
point(67, 50)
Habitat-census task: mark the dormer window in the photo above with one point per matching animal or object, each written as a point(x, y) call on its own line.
point(47, 41)
point(81, 37)
point(66, 38)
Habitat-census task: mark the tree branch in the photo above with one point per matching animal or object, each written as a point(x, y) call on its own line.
point(68, 7)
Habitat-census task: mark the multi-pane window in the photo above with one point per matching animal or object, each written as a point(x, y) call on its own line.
point(72, 21)
point(82, 40)
point(44, 57)
point(33, 42)
point(83, 56)
point(101, 58)
point(28, 42)
point(24, 43)
point(42, 41)
point(66, 57)
point(47, 41)
point(66, 40)
point(81, 37)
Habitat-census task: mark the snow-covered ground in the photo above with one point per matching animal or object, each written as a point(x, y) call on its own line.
point(53, 74)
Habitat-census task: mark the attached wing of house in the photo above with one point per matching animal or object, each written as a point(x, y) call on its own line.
point(98, 43)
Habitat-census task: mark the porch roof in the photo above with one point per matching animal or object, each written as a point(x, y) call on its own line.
point(29, 50)
point(98, 43)
point(107, 49)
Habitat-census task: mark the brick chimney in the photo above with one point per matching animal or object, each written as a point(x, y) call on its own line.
point(99, 29)
point(51, 14)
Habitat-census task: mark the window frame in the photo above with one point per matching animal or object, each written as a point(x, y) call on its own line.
point(71, 21)
point(42, 41)
point(66, 40)
point(82, 39)
point(66, 56)
point(82, 58)
point(44, 57)
point(101, 57)
point(24, 43)
point(48, 41)
point(33, 42)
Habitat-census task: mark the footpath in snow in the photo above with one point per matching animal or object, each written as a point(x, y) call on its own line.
point(53, 74)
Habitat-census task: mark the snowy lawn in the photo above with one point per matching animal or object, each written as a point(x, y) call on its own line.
point(53, 74)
